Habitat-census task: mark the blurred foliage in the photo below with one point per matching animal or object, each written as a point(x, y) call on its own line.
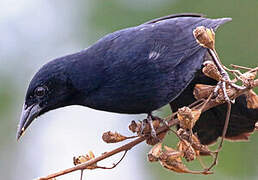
point(236, 43)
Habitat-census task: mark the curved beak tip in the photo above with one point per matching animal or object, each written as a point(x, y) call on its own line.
point(29, 113)
point(20, 133)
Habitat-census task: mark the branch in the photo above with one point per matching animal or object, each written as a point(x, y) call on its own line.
point(171, 122)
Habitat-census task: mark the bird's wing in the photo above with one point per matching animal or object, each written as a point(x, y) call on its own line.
point(166, 38)
point(155, 49)
point(149, 64)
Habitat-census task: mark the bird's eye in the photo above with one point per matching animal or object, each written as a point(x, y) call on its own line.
point(40, 91)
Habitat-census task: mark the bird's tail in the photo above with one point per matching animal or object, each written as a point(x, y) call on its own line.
point(217, 22)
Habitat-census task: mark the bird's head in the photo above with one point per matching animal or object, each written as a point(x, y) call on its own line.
point(49, 89)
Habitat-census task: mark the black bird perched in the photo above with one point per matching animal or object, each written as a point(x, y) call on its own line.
point(134, 70)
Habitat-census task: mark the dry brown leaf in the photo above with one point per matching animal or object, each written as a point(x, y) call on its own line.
point(188, 117)
point(200, 149)
point(135, 127)
point(202, 91)
point(110, 137)
point(205, 37)
point(171, 154)
point(187, 149)
point(211, 70)
point(248, 78)
point(83, 159)
point(155, 152)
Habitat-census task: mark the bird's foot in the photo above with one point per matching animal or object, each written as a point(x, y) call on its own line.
point(217, 71)
point(144, 125)
point(153, 131)
point(224, 84)
point(148, 129)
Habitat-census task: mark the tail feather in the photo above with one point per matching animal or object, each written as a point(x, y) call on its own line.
point(220, 21)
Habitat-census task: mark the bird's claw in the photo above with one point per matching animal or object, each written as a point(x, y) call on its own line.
point(147, 124)
point(223, 84)
point(153, 131)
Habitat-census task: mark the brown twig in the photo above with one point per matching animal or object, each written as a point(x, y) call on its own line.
point(240, 67)
point(222, 137)
point(81, 174)
point(115, 164)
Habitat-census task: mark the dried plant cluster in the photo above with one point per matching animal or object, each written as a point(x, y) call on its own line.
point(188, 146)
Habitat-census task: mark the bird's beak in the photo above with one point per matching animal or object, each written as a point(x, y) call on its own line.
point(29, 113)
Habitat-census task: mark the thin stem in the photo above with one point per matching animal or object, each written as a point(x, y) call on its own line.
point(222, 137)
point(114, 165)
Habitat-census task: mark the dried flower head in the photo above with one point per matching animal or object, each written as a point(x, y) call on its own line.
point(248, 78)
point(155, 152)
point(188, 117)
point(202, 91)
point(211, 70)
point(171, 159)
point(187, 149)
point(110, 137)
point(135, 127)
point(83, 159)
point(205, 37)
point(201, 150)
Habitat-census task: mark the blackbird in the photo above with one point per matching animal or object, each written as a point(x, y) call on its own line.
point(133, 70)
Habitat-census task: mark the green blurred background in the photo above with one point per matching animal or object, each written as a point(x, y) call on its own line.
point(34, 32)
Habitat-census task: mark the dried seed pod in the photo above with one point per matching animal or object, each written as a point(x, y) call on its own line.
point(211, 70)
point(202, 91)
point(205, 37)
point(188, 117)
point(185, 116)
point(196, 115)
point(155, 152)
point(184, 134)
point(252, 99)
point(79, 160)
point(200, 149)
point(175, 165)
point(135, 127)
point(110, 137)
point(248, 78)
point(83, 159)
point(170, 153)
point(187, 149)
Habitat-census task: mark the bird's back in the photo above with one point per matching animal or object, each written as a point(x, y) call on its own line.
point(144, 68)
